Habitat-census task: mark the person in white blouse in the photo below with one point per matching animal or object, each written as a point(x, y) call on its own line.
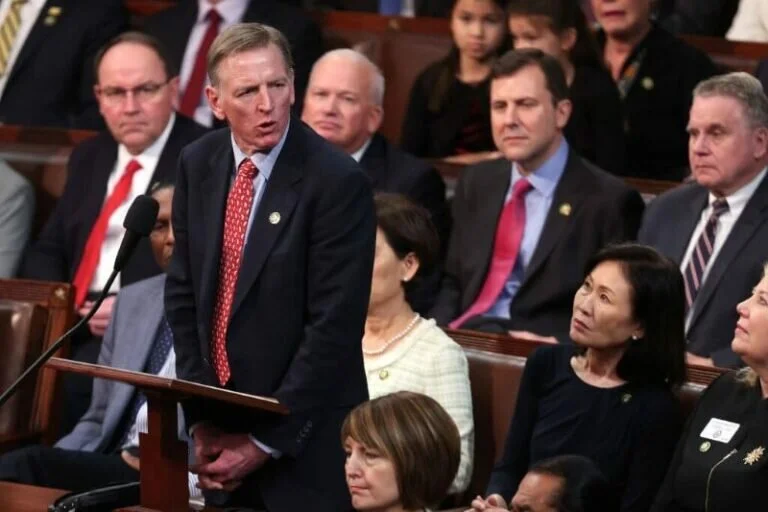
point(750, 22)
point(402, 350)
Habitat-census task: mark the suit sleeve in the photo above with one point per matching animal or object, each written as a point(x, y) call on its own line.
point(429, 192)
point(340, 259)
point(306, 46)
point(448, 302)
point(50, 257)
point(414, 133)
point(515, 459)
point(16, 211)
point(90, 425)
point(624, 224)
point(111, 20)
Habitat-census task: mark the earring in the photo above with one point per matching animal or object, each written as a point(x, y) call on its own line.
point(635, 337)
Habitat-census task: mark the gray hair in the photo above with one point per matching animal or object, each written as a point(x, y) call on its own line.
point(242, 37)
point(743, 88)
point(377, 77)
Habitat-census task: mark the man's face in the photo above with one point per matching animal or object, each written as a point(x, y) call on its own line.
point(161, 238)
point(339, 103)
point(620, 18)
point(526, 125)
point(254, 94)
point(724, 149)
point(135, 96)
point(537, 493)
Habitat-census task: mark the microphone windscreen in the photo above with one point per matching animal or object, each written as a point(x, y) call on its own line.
point(142, 215)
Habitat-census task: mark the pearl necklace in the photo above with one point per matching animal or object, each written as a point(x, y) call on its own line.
point(396, 337)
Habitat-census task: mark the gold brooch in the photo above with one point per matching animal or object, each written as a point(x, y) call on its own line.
point(565, 209)
point(754, 455)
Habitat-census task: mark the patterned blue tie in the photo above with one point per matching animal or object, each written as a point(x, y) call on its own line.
point(155, 362)
point(702, 252)
point(390, 7)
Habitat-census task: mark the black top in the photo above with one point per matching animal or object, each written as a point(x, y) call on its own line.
point(595, 129)
point(739, 481)
point(628, 431)
point(658, 103)
point(460, 124)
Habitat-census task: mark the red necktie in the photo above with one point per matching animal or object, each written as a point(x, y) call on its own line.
point(239, 205)
point(509, 235)
point(92, 251)
point(194, 89)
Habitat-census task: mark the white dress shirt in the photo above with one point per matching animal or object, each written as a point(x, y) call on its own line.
point(358, 155)
point(142, 422)
point(231, 12)
point(736, 204)
point(28, 13)
point(141, 181)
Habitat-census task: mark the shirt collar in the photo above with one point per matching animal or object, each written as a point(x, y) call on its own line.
point(358, 155)
point(264, 162)
point(231, 11)
point(149, 157)
point(545, 178)
point(739, 199)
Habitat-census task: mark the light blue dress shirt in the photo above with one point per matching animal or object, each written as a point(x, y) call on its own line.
point(538, 200)
point(264, 162)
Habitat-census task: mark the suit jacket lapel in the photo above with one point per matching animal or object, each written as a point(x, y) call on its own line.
point(214, 188)
point(39, 33)
point(169, 156)
point(681, 237)
point(571, 190)
point(279, 197)
point(753, 216)
point(374, 161)
point(181, 24)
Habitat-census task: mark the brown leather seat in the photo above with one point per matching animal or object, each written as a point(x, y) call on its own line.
point(22, 335)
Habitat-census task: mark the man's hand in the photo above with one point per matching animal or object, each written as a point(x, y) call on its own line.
point(530, 336)
point(98, 324)
point(224, 459)
point(691, 358)
point(492, 503)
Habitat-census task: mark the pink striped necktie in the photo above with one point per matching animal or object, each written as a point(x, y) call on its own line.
point(702, 252)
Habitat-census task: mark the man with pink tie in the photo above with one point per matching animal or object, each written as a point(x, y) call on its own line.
point(525, 225)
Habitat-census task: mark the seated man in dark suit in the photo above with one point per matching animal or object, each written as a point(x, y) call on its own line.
point(525, 226)
point(188, 28)
point(102, 448)
point(136, 90)
point(344, 105)
point(716, 227)
point(46, 59)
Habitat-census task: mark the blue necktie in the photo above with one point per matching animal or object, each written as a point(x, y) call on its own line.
point(390, 7)
point(157, 357)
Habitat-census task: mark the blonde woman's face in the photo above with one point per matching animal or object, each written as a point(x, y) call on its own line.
point(371, 477)
point(750, 339)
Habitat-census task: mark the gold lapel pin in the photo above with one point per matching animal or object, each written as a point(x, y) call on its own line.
point(50, 20)
point(565, 209)
point(274, 217)
point(383, 375)
point(648, 83)
point(754, 456)
point(705, 446)
point(54, 10)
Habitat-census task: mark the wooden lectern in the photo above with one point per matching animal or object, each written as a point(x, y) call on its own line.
point(163, 474)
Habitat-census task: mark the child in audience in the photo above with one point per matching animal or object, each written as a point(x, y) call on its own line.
point(558, 27)
point(608, 397)
point(448, 112)
point(402, 453)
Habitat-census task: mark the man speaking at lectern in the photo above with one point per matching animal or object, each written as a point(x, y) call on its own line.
point(268, 288)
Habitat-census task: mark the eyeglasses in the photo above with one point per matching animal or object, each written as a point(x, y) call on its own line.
point(141, 93)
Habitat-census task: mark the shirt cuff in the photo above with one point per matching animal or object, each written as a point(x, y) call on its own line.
point(276, 454)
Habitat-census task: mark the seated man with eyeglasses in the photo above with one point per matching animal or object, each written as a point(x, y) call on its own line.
point(136, 90)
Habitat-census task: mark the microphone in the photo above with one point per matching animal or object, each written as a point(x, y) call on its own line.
point(139, 222)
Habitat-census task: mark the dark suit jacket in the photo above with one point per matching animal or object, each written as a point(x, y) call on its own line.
point(172, 27)
point(56, 254)
point(710, 18)
point(429, 8)
point(300, 303)
point(762, 74)
point(603, 209)
point(668, 225)
point(51, 82)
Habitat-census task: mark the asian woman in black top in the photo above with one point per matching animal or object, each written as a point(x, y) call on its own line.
point(721, 462)
point(449, 108)
point(608, 397)
point(558, 27)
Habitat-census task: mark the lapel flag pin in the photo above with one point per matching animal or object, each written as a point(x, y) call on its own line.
point(274, 217)
point(565, 209)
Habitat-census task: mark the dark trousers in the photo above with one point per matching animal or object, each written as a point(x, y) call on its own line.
point(69, 470)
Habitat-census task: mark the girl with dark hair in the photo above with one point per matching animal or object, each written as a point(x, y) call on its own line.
point(558, 27)
point(609, 397)
point(449, 108)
